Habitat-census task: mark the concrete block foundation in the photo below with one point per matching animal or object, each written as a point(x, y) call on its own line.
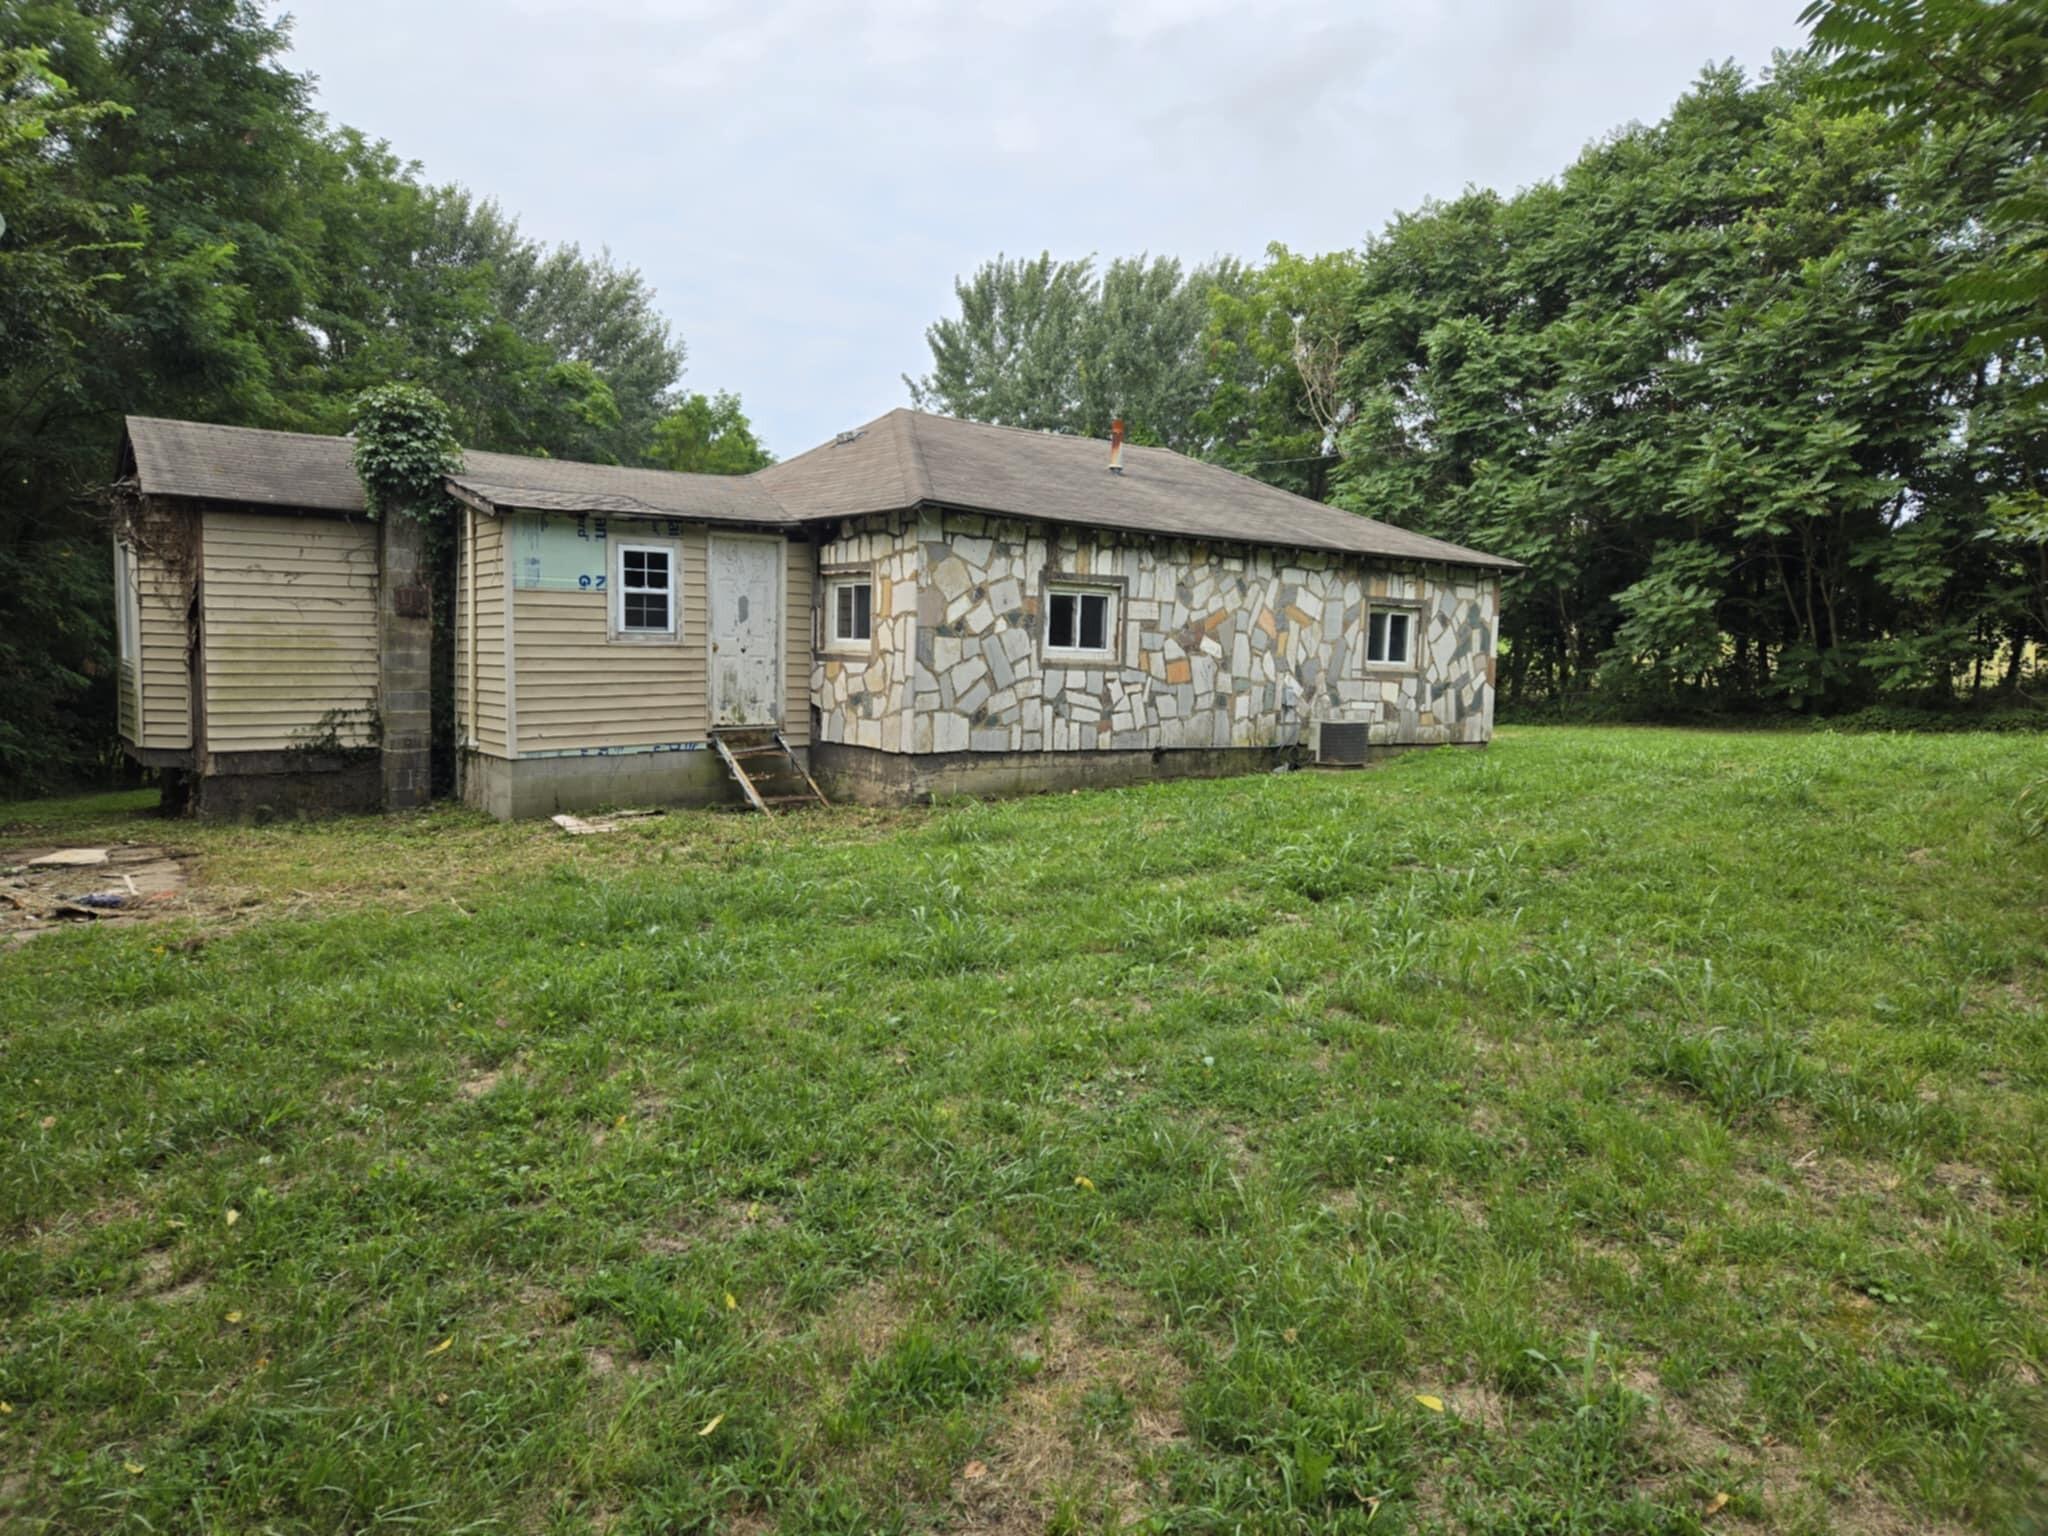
point(863, 776)
point(515, 788)
point(271, 786)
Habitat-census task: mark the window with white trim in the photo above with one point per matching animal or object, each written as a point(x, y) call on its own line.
point(644, 591)
point(127, 606)
point(850, 610)
point(1080, 621)
point(1389, 637)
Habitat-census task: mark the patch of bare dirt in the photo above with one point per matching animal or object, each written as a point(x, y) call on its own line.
point(1701, 1436)
point(1969, 1184)
point(686, 1227)
point(477, 1084)
point(601, 1363)
point(1103, 1400)
point(861, 1322)
point(1478, 1404)
point(14, 1488)
point(742, 1215)
point(1237, 1145)
point(1826, 1177)
point(177, 1295)
point(44, 889)
point(1472, 1210)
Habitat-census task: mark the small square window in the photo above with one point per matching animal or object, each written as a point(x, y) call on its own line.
point(1080, 620)
point(1389, 637)
point(852, 612)
point(645, 591)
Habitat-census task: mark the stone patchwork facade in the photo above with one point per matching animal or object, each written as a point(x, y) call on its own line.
point(862, 694)
point(1210, 646)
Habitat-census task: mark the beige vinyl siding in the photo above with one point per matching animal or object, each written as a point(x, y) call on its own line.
point(798, 562)
point(155, 678)
point(465, 623)
point(290, 630)
point(162, 601)
point(480, 644)
point(573, 687)
point(127, 706)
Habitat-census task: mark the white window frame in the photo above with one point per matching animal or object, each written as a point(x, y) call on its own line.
point(617, 584)
point(128, 606)
point(1408, 611)
point(1112, 614)
point(834, 585)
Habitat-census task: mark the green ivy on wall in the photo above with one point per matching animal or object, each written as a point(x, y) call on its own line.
point(405, 449)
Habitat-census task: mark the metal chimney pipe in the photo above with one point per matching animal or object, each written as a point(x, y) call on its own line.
point(1116, 446)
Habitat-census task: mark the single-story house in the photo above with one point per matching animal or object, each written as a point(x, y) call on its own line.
point(922, 605)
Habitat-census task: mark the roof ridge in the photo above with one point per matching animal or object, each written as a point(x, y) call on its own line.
point(922, 481)
point(1039, 432)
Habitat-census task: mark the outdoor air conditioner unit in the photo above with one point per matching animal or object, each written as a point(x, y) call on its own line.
point(1340, 743)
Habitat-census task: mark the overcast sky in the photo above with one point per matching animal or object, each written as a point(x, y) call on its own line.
point(801, 182)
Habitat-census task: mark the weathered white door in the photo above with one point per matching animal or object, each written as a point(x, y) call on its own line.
point(746, 629)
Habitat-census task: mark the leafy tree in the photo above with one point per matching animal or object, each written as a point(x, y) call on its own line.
point(1969, 67)
point(1141, 355)
point(708, 435)
point(1275, 342)
point(591, 312)
point(1975, 72)
point(1052, 346)
point(1012, 356)
point(1683, 384)
point(487, 317)
point(62, 257)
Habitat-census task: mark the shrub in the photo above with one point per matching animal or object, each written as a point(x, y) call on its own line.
point(1923, 718)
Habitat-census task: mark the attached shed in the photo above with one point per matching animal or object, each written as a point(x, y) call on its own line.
point(251, 645)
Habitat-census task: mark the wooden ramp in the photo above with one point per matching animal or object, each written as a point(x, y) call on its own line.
point(766, 769)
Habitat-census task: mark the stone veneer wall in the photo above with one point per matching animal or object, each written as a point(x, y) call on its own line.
point(862, 695)
point(1220, 646)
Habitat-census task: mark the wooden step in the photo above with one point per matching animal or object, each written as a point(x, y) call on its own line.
point(775, 759)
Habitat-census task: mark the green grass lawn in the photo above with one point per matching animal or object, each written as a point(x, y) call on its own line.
point(1615, 1131)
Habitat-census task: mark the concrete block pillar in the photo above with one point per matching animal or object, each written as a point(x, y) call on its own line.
point(405, 635)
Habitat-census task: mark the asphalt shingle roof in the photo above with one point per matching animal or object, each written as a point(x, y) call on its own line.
point(271, 469)
point(907, 458)
point(901, 460)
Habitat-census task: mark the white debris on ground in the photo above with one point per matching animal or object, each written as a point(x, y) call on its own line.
point(580, 826)
point(68, 858)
